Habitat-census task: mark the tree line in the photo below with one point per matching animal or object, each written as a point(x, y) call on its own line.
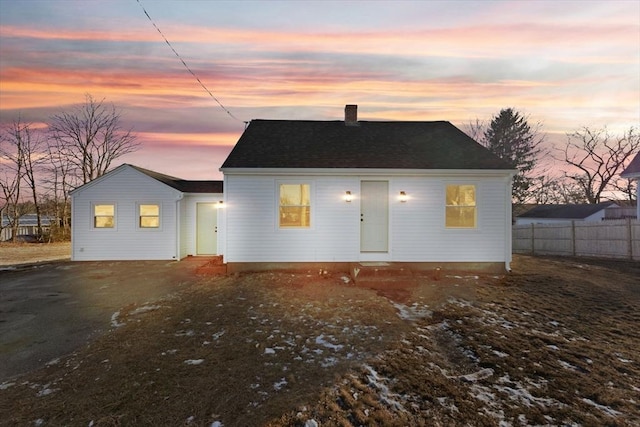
point(40, 166)
point(586, 168)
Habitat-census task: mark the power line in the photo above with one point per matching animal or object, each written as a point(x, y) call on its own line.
point(186, 66)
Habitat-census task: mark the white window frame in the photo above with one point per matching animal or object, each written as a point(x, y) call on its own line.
point(475, 205)
point(139, 216)
point(311, 203)
point(93, 216)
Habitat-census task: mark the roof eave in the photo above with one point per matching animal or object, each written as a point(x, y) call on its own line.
point(367, 171)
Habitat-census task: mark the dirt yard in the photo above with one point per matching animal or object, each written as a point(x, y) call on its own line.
point(556, 342)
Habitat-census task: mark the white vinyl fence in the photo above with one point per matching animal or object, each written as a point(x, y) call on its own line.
point(606, 239)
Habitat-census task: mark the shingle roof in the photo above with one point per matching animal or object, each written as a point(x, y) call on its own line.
point(367, 144)
point(183, 185)
point(578, 211)
point(633, 169)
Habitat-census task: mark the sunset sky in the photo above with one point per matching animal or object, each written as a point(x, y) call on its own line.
point(564, 64)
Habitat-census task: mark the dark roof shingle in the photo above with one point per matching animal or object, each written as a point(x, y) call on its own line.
point(183, 185)
point(367, 144)
point(577, 211)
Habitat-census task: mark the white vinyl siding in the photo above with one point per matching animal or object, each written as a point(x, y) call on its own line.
point(188, 221)
point(417, 231)
point(127, 241)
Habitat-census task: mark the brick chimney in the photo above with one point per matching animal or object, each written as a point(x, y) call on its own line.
point(351, 115)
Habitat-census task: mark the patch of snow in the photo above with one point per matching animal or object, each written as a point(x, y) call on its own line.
point(321, 341)
point(269, 350)
point(217, 335)
point(144, 309)
point(311, 423)
point(345, 279)
point(172, 351)
point(607, 410)
point(386, 396)
point(190, 419)
point(553, 347)
point(53, 361)
point(188, 333)
point(500, 354)
point(45, 391)
point(477, 376)
point(567, 365)
point(6, 385)
point(414, 312)
point(114, 320)
point(39, 422)
point(194, 361)
point(216, 424)
point(278, 385)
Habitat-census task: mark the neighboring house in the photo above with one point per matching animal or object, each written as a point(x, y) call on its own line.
point(131, 213)
point(633, 172)
point(556, 214)
point(27, 226)
point(338, 192)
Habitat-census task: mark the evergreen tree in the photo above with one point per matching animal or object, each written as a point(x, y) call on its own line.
point(511, 138)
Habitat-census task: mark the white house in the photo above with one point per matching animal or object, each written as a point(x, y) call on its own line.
point(131, 213)
point(633, 172)
point(564, 213)
point(341, 192)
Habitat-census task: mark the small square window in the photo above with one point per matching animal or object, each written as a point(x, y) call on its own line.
point(461, 210)
point(104, 216)
point(149, 216)
point(295, 205)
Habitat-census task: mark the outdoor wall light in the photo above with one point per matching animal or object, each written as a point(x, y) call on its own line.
point(403, 197)
point(348, 197)
point(220, 204)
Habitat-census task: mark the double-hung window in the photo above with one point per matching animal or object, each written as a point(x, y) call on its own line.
point(104, 216)
point(461, 209)
point(149, 216)
point(295, 206)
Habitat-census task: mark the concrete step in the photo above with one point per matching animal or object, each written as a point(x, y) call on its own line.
point(381, 275)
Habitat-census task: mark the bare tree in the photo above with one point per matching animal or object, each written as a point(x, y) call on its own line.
point(598, 158)
point(12, 162)
point(90, 136)
point(59, 180)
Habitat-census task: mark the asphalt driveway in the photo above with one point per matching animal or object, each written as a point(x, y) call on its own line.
point(50, 310)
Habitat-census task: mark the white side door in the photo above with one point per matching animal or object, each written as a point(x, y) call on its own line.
point(374, 216)
point(206, 228)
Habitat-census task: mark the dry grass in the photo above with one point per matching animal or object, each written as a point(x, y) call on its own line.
point(556, 342)
point(23, 253)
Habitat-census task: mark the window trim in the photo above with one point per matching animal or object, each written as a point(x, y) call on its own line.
point(94, 216)
point(475, 206)
point(279, 183)
point(139, 216)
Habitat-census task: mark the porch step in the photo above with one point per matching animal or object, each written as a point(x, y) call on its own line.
point(381, 275)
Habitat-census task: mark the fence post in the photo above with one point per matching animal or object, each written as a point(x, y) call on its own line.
point(629, 239)
point(533, 239)
point(573, 237)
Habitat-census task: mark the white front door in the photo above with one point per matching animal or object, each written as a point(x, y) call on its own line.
point(374, 216)
point(206, 228)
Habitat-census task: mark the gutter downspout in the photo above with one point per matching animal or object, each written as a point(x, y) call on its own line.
point(508, 241)
point(177, 233)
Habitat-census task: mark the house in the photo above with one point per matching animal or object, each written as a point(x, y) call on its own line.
point(557, 214)
point(131, 213)
point(333, 193)
point(632, 171)
point(27, 226)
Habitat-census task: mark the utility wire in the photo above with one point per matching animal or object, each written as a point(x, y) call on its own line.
point(186, 66)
